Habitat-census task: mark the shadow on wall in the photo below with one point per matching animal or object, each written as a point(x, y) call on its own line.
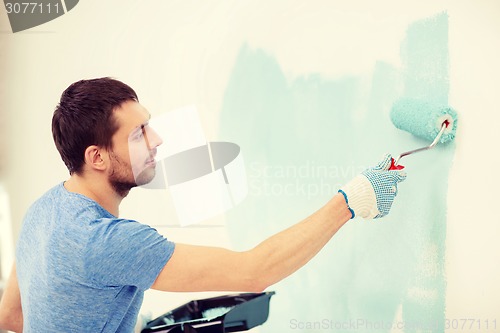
point(301, 139)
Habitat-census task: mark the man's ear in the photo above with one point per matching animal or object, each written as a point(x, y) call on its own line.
point(95, 157)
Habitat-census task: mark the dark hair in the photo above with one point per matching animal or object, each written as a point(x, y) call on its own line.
point(83, 117)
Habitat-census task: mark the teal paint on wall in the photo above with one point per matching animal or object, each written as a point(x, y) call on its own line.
point(301, 139)
point(425, 55)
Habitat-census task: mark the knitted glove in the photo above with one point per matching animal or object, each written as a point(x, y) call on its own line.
point(371, 193)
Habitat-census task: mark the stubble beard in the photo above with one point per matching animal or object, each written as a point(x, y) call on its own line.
point(122, 178)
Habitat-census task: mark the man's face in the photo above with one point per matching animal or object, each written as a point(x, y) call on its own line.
point(134, 148)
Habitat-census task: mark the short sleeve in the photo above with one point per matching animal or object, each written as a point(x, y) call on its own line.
point(125, 253)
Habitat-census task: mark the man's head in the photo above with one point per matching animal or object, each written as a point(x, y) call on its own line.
point(94, 128)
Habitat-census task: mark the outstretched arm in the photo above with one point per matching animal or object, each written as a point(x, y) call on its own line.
point(202, 268)
point(11, 313)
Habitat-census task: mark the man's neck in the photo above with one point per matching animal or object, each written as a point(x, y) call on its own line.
point(98, 190)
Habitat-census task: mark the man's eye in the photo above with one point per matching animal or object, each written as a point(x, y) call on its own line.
point(138, 136)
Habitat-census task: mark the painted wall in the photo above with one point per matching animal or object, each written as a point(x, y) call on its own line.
point(305, 89)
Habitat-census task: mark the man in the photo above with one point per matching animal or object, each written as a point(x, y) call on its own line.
point(80, 268)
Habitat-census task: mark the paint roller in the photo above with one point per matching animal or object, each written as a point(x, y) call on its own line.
point(423, 119)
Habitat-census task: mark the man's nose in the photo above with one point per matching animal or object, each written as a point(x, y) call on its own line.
point(154, 138)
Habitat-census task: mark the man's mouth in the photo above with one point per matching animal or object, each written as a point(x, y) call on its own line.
point(150, 162)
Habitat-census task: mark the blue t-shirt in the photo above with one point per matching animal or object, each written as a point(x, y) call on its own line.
point(80, 269)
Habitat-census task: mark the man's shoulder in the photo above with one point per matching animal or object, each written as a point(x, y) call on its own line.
point(58, 205)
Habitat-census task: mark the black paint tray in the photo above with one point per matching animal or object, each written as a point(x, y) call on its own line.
point(229, 313)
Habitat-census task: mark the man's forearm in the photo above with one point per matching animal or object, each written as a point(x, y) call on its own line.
point(11, 314)
point(287, 251)
point(191, 268)
point(13, 325)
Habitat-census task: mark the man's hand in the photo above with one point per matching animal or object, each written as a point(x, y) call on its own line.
point(370, 194)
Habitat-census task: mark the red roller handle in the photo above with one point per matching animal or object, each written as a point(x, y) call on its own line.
point(395, 167)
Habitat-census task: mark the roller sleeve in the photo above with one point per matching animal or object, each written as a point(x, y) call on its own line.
point(424, 119)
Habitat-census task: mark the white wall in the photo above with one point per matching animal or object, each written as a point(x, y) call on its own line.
point(176, 53)
point(473, 226)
